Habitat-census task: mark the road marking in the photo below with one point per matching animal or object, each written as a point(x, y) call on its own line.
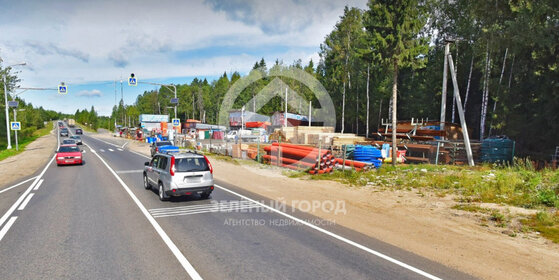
point(115, 145)
point(224, 207)
point(17, 185)
point(38, 185)
point(18, 201)
point(22, 206)
point(120, 149)
point(129, 171)
point(174, 249)
point(102, 151)
point(124, 145)
point(7, 227)
point(111, 150)
point(343, 239)
point(83, 151)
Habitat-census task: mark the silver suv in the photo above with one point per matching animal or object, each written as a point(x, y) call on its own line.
point(177, 174)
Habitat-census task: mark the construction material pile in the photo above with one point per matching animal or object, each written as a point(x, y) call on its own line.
point(297, 157)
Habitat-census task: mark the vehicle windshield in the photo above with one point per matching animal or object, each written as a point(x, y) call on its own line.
point(191, 164)
point(68, 149)
point(68, 141)
point(164, 143)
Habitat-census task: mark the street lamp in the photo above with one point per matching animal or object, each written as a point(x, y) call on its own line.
point(6, 103)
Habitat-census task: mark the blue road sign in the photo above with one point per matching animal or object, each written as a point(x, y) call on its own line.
point(15, 125)
point(13, 104)
point(176, 122)
point(62, 89)
point(174, 101)
point(132, 81)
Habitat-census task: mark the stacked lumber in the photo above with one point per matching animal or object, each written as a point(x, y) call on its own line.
point(299, 157)
point(347, 139)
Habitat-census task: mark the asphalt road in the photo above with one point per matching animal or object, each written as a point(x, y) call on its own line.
point(96, 221)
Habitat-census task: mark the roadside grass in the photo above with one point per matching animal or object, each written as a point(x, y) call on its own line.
point(517, 184)
point(546, 223)
point(85, 128)
point(24, 142)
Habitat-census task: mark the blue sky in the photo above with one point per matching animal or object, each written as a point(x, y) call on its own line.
point(90, 44)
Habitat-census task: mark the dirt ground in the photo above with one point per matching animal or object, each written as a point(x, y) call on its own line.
point(420, 222)
point(35, 156)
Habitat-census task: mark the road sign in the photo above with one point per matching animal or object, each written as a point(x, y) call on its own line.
point(15, 125)
point(13, 104)
point(132, 81)
point(62, 89)
point(174, 101)
point(176, 122)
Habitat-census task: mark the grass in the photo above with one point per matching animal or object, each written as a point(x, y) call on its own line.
point(85, 128)
point(546, 223)
point(24, 142)
point(517, 184)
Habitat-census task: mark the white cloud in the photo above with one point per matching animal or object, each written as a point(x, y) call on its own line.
point(90, 93)
point(79, 42)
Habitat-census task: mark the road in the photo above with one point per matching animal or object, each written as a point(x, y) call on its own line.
point(96, 221)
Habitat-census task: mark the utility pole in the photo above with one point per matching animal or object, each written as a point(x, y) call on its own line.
point(7, 115)
point(122, 101)
point(458, 101)
point(445, 75)
point(285, 114)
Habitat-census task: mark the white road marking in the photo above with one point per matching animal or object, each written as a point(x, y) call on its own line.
point(111, 150)
point(124, 144)
point(129, 171)
point(20, 199)
point(102, 151)
point(115, 145)
point(38, 185)
point(92, 150)
point(7, 227)
point(174, 249)
point(22, 206)
point(343, 239)
point(120, 149)
point(17, 185)
point(225, 207)
point(83, 151)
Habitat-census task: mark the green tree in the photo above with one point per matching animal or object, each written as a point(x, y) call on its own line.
point(395, 28)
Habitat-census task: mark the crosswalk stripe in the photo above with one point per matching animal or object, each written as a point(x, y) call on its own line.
point(111, 150)
point(226, 207)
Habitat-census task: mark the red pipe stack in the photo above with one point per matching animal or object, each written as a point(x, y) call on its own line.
point(300, 158)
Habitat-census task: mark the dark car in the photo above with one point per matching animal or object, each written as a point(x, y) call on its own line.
point(64, 132)
point(79, 131)
point(77, 139)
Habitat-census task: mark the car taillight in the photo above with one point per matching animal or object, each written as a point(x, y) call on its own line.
point(156, 149)
point(172, 169)
point(209, 164)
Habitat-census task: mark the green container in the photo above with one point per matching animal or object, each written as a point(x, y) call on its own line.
point(497, 150)
point(207, 134)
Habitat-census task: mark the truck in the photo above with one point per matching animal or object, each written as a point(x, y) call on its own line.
point(71, 123)
point(244, 134)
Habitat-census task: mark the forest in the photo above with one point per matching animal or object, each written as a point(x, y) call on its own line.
point(504, 54)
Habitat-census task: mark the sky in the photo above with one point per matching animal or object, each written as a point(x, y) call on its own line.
point(91, 44)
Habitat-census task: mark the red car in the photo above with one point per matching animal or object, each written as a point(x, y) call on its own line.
point(69, 154)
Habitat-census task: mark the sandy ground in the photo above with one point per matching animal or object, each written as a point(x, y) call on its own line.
point(420, 222)
point(28, 162)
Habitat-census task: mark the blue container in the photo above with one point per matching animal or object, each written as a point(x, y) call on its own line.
point(368, 154)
